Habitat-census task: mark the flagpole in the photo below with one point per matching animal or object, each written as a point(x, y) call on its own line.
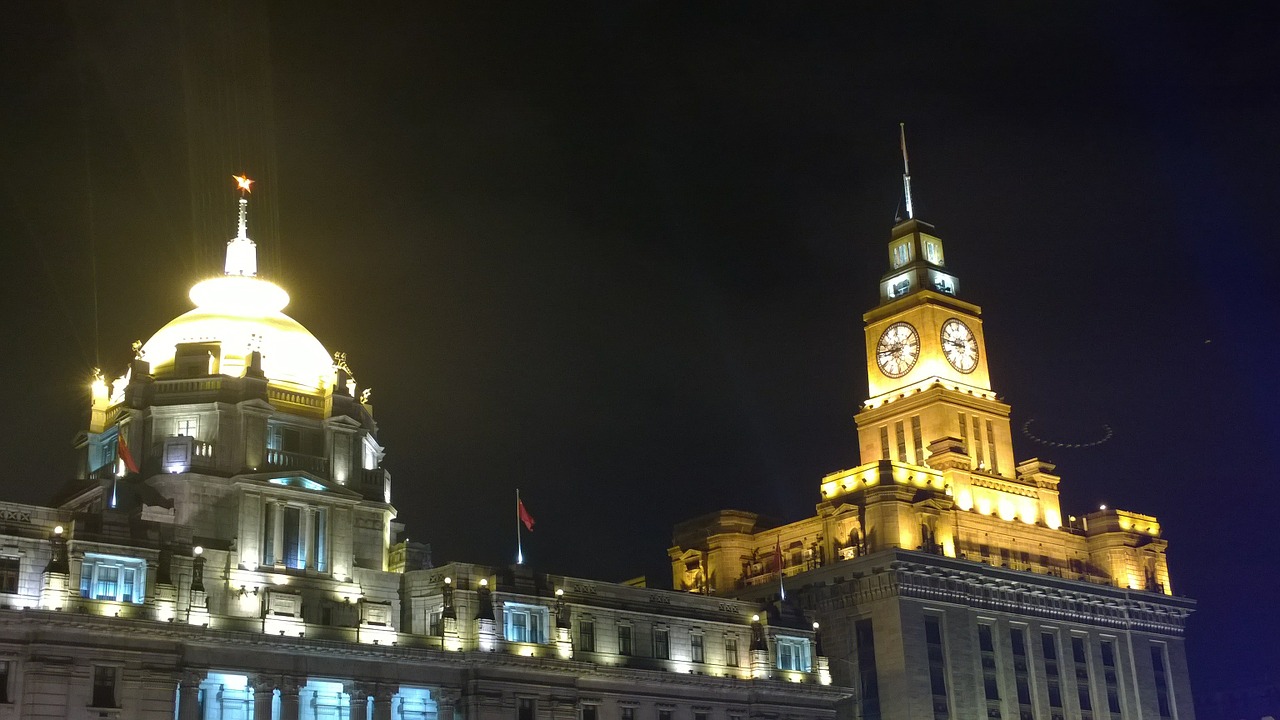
point(519, 549)
point(782, 588)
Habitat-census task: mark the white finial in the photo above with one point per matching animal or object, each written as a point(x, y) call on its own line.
point(242, 253)
point(906, 169)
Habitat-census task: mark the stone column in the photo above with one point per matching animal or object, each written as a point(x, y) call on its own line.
point(359, 693)
point(189, 694)
point(446, 702)
point(382, 701)
point(263, 687)
point(289, 707)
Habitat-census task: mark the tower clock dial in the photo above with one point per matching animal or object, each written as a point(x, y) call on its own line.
point(898, 350)
point(959, 346)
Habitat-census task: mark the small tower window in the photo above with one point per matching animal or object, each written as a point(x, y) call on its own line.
point(901, 253)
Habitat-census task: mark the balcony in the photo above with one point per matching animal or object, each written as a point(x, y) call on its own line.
point(285, 460)
point(374, 484)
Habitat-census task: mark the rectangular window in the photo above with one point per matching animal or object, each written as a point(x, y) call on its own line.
point(864, 639)
point(627, 712)
point(1081, 659)
point(1021, 673)
point(294, 557)
point(991, 447)
point(269, 533)
point(320, 540)
point(902, 441)
point(696, 652)
point(901, 254)
point(10, 572)
point(108, 577)
point(664, 715)
point(1110, 678)
point(990, 681)
point(977, 441)
point(525, 623)
point(884, 442)
point(701, 715)
point(793, 653)
point(916, 439)
point(188, 426)
point(435, 623)
point(624, 640)
point(590, 712)
point(1053, 676)
point(104, 686)
point(587, 636)
point(4, 682)
point(964, 433)
point(526, 709)
point(731, 652)
point(1158, 666)
point(937, 667)
point(661, 643)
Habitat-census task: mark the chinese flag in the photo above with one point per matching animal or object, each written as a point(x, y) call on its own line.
point(122, 449)
point(525, 517)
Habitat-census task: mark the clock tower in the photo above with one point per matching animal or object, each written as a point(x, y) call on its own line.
point(927, 372)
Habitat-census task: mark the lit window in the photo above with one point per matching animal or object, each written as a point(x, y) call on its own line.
point(435, 623)
point(731, 652)
point(189, 426)
point(793, 653)
point(118, 579)
point(587, 636)
point(695, 648)
point(525, 623)
point(295, 537)
point(624, 640)
point(901, 254)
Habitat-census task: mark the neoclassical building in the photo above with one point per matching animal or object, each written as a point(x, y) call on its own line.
point(229, 551)
point(958, 587)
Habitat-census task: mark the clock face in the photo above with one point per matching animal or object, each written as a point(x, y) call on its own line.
point(898, 350)
point(959, 345)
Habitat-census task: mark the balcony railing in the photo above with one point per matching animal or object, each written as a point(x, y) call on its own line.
point(283, 459)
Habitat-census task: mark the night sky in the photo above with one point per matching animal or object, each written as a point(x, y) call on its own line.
point(617, 255)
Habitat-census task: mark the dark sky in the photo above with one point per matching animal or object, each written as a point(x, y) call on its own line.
point(617, 255)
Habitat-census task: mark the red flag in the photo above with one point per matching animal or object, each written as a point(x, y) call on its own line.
point(122, 450)
point(525, 517)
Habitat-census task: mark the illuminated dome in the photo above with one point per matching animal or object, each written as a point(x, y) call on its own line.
point(243, 313)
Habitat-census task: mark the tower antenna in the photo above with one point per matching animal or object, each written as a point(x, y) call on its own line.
point(906, 169)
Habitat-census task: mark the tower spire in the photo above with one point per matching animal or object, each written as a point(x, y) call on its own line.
point(906, 169)
point(242, 253)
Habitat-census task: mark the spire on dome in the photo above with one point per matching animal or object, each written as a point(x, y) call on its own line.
point(242, 253)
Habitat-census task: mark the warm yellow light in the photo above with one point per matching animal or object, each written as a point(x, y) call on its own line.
point(243, 183)
point(484, 582)
point(57, 530)
point(559, 592)
point(755, 618)
point(448, 580)
point(197, 551)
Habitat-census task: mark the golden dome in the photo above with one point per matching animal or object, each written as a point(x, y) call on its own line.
point(243, 314)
